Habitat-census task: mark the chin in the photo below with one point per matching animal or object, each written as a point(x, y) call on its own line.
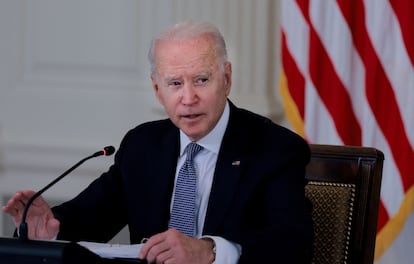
point(193, 135)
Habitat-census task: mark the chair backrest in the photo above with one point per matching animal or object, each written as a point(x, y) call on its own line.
point(344, 187)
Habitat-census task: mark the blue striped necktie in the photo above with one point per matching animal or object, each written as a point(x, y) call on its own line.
point(183, 211)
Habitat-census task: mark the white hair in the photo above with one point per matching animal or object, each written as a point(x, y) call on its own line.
point(187, 30)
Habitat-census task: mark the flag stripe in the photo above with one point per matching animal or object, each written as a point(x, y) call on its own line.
point(339, 103)
point(388, 118)
point(360, 51)
point(319, 125)
point(394, 57)
point(404, 11)
point(296, 37)
point(291, 110)
point(351, 72)
point(297, 80)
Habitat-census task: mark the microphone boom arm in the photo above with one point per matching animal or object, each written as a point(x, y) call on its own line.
point(23, 228)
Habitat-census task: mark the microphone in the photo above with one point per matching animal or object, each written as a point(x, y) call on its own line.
point(23, 228)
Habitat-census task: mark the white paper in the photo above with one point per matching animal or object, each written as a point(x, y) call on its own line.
point(113, 250)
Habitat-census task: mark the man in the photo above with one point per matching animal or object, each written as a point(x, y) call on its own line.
point(249, 199)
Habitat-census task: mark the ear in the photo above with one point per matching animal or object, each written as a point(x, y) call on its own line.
point(156, 88)
point(227, 76)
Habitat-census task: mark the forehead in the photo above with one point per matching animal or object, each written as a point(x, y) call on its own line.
point(174, 57)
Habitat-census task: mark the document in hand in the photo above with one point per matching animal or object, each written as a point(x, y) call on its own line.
point(113, 250)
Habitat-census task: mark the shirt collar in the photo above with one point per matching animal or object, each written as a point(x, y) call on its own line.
point(212, 140)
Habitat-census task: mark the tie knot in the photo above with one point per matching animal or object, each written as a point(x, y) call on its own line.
point(192, 149)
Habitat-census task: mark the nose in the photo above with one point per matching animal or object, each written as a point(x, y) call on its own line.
point(189, 95)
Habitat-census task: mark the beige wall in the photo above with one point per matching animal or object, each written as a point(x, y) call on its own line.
point(74, 77)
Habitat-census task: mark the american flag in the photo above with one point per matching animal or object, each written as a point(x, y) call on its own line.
point(348, 79)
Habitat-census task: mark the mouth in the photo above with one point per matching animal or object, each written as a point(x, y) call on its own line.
point(191, 116)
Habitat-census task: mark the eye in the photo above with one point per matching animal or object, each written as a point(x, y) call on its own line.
point(174, 83)
point(201, 80)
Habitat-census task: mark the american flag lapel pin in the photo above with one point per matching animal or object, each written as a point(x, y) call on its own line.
point(236, 163)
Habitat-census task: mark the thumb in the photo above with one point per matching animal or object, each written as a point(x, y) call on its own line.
point(52, 227)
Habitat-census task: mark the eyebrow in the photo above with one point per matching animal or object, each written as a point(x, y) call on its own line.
point(172, 78)
point(203, 73)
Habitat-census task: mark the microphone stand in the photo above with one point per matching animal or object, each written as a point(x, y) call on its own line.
point(24, 250)
point(23, 228)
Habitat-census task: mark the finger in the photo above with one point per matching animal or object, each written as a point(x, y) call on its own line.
point(6, 209)
point(39, 201)
point(23, 196)
point(20, 204)
point(149, 244)
point(53, 227)
point(155, 239)
point(164, 257)
point(14, 204)
point(15, 215)
point(12, 200)
point(17, 205)
point(9, 210)
point(27, 194)
point(158, 253)
point(19, 199)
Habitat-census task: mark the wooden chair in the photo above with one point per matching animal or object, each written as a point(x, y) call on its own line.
point(344, 188)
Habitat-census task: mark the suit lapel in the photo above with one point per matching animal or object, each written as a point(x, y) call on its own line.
point(161, 183)
point(227, 174)
point(226, 179)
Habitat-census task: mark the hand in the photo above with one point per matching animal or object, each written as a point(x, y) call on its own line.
point(173, 247)
point(40, 219)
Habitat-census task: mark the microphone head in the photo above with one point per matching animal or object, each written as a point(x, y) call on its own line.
point(108, 150)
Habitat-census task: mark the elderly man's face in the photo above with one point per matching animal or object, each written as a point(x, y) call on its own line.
point(190, 84)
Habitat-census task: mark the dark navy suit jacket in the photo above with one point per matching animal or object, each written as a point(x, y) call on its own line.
point(257, 196)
